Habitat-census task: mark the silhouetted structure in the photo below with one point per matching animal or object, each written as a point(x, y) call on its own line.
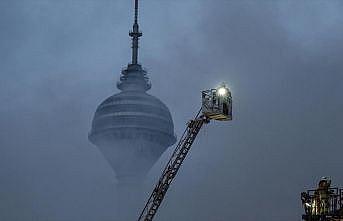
point(324, 203)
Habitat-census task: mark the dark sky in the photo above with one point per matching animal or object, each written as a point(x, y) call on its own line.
point(281, 59)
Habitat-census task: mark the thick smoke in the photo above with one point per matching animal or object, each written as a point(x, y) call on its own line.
point(282, 60)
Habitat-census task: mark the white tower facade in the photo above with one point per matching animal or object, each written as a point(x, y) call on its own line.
point(132, 128)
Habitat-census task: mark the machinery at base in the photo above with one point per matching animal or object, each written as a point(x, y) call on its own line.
point(324, 203)
point(216, 105)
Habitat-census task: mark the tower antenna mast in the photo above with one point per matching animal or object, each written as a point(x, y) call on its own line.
point(135, 34)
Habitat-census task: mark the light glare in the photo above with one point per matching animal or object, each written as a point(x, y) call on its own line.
point(222, 91)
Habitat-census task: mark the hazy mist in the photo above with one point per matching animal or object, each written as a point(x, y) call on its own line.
point(281, 59)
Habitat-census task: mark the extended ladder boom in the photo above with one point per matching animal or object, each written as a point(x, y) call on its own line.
point(172, 168)
point(216, 105)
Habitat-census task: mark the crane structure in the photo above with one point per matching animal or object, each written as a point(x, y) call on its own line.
point(325, 203)
point(216, 105)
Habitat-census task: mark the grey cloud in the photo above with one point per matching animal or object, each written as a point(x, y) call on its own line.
point(282, 60)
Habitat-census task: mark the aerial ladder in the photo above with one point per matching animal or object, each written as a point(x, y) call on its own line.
point(216, 105)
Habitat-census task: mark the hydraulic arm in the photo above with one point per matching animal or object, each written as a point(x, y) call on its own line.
point(216, 105)
point(172, 167)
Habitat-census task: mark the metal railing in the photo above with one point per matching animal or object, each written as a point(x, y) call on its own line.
point(322, 204)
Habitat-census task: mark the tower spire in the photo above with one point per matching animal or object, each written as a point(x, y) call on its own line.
point(134, 77)
point(135, 34)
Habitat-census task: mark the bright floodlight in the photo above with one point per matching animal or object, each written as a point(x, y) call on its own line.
point(222, 91)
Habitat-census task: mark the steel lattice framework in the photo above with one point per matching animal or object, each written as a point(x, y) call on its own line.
point(172, 167)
